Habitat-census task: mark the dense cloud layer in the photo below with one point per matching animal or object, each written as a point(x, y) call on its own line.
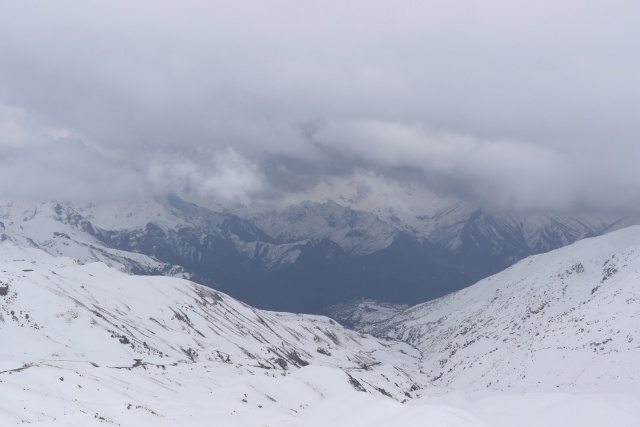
point(528, 105)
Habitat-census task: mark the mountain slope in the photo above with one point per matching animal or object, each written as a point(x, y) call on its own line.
point(55, 308)
point(60, 230)
point(492, 241)
point(220, 249)
point(357, 232)
point(66, 326)
point(567, 318)
point(301, 258)
point(86, 345)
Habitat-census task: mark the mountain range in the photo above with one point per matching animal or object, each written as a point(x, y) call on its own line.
point(303, 257)
point(553, 340)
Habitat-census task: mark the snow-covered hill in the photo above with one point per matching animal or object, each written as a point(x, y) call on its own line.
point(551, 341)
point(569, 318)
point(79, 335)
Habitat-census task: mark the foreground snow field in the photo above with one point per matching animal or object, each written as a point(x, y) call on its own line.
point(85, 344)
point(311, 396)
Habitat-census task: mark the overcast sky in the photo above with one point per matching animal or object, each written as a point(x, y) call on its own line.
point(526, 105)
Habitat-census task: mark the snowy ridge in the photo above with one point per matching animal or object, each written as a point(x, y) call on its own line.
point(274, 257)
point(356, 232)
point(60, 230)
point(540, 232)
point(443, 219)
point(568, 318)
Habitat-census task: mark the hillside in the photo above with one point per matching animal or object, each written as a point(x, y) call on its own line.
point(85, 344)
point(569, 318)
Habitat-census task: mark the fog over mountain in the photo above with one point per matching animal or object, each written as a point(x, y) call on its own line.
point(524, 106)
point(188, 189)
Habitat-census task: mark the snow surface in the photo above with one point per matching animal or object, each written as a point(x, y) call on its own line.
point(85, 344)
point(568, 319)
point(111, 339)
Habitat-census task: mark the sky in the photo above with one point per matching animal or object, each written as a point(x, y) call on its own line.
point(529, 105)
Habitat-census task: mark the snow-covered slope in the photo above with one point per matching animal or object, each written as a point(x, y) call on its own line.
point(86, 345)
point(567, 318)
point(60, 230)
point(84, 324)
point(504, 233)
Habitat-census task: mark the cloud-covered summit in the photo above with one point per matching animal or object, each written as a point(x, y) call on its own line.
point(531, 105)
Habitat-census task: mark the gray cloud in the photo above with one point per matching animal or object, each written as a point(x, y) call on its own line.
point(530, 105)
point(67, 169)
point(226, 177)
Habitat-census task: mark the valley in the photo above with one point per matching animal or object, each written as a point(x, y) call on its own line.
point(555, 337)
point(304, 257)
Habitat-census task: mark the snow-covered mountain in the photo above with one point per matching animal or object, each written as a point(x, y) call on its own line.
point(78, 335)
point(61, 230)
point(485, 239)
point(302, 257)
point(567, 318)
point(449, 221)
point(551, 341)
